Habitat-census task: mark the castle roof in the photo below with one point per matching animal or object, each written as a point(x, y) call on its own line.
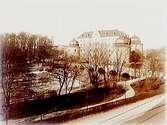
point(74, 42)
point(103, 33)
point(135, 40)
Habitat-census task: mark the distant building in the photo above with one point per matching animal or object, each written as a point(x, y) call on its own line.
point(108, 37)
point(71, 50)
point(113, 39)
point(136, 43)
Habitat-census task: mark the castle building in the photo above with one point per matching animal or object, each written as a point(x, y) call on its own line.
point(112, 40)
point(112, 44)
point(136, 43)
point(71, 50)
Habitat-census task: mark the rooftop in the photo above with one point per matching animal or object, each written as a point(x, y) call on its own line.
point(103, 33)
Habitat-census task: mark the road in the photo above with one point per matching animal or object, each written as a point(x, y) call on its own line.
point(153, 116)
point(127, 86)
point(120, 115)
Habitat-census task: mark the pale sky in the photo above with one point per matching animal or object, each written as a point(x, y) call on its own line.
point(64, 20)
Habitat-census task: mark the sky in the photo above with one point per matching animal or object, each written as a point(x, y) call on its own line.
point(63, 20)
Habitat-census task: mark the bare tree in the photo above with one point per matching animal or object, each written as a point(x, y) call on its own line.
point(66, 71)
point(136, 60)
point(13, 63)
point(97, 58)
point(18, 50)
point(120, 59)
point(155, 59)
point(113, 75)
point(44, 48)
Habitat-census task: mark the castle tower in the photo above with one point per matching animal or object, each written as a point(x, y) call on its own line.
point(74, 49)
point(136, 44)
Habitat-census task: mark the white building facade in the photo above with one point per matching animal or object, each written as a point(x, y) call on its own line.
point(113, 40)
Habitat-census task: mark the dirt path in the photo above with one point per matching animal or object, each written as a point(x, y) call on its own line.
point(127, 86)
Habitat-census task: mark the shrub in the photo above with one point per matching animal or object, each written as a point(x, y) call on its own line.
point(120, 89)
point(154, 86)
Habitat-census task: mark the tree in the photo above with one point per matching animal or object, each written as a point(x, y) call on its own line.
point(102, 72)
point(126, 76)
point(44, 48)
point(113, 74)
point(66, 71)
point(136, 60)
point(93, 76)
point(13, 63)
point(155, 60)
point(97, 59)
point(119, 60)
point(18, 50)
point(35, 47)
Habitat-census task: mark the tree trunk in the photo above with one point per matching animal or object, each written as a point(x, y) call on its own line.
point(105, 80)
point(135, 72)
point(72, 84)
point(6, 118)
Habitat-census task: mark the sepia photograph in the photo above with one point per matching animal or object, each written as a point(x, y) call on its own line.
point(83, 62)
